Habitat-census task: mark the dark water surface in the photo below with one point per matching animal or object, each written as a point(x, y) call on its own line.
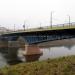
point(51, 49)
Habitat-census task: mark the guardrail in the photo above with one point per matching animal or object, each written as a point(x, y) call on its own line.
point(53, 27)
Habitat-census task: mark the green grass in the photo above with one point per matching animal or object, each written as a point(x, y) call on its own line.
point(58, 66)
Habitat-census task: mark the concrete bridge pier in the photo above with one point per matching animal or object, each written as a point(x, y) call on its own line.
point(32, 52)
point(28, 49)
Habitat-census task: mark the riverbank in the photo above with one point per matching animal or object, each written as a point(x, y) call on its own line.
point(58, 66)
point(63, 42)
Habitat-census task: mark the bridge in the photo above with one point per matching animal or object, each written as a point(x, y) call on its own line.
point(27, 40)
point(42, 34)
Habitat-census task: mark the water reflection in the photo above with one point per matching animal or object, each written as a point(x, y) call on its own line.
point(3, 61)
point(69, 46)
point(55, 52)
point(10, 55)
point(50, 50)
point(16, 55)
point(34, 57)
point(32, 53)
point(57, 48)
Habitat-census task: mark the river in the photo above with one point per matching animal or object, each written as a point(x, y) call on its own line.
point(50, 49)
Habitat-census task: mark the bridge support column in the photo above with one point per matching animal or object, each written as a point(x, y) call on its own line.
point(32, 50)
point(28, 49)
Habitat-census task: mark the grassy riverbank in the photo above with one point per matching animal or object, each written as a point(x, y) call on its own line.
point(58, 66)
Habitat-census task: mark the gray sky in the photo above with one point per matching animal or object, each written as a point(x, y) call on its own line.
point(35, 12)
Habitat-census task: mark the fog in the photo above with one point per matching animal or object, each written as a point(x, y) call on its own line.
point(35, 13)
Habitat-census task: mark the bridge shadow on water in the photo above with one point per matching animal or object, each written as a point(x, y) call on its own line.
point(10, 55)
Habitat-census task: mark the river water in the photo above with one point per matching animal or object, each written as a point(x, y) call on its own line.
point(50, 49)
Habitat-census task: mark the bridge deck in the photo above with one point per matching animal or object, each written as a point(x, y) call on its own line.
point(37, 35)
point(57, 27)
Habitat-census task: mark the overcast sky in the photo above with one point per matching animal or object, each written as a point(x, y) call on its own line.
point(35, 12)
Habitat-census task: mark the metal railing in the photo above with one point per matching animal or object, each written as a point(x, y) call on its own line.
point(53, 27)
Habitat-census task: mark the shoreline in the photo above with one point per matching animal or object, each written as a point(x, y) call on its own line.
point(57, 66)
point(64, 42)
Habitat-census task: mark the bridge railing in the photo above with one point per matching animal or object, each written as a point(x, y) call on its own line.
point(54, 27)
point(59, 26)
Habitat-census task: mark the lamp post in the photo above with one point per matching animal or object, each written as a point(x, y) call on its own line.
point(69, 20)
point(24, 26)
point(51, 20)
point(14, 27)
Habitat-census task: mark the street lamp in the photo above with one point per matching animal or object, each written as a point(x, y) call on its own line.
point(24, 26)
point(51, 18)
point(14, 27)
point(69, 20)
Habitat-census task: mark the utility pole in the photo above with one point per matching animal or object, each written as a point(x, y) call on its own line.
point(51, 19)
point(24, 26)
point(14, 27)
point(40, 24)
point(69, 21)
